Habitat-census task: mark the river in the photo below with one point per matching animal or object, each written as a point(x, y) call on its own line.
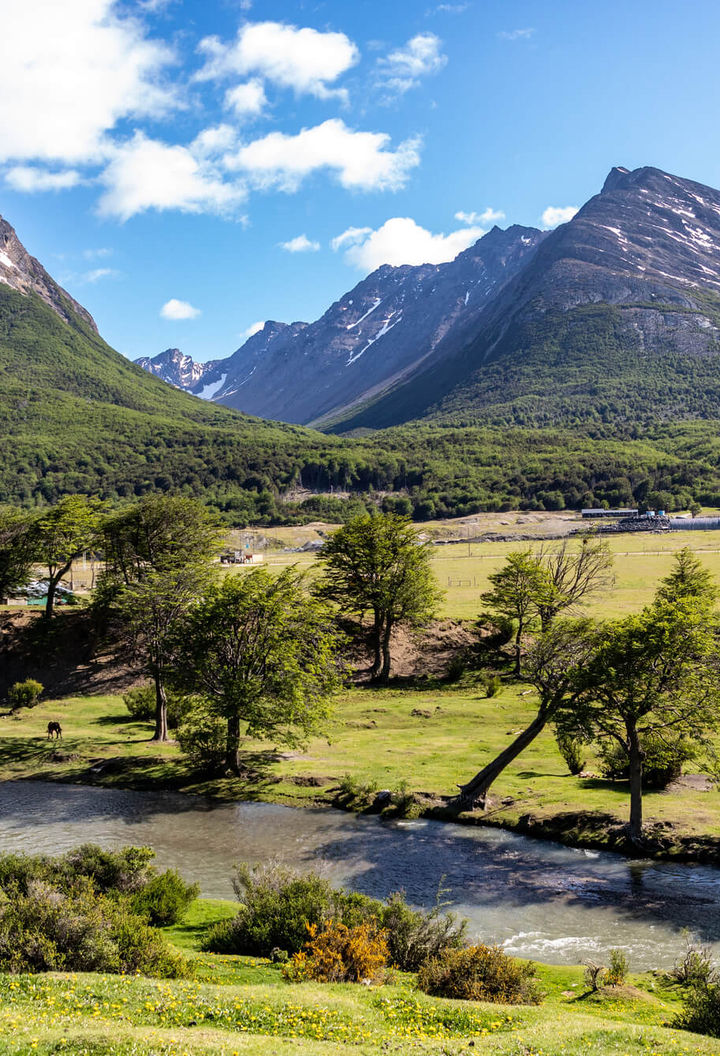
point(538, 899)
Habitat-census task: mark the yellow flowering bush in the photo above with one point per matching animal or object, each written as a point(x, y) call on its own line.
point(340, 954)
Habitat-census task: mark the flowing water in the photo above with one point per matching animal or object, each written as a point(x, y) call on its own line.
point(538, 899)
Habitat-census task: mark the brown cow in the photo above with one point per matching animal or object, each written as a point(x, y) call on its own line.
point(54, 731)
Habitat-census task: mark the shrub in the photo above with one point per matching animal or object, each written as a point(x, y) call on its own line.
point(125, 871)
point(572, 751)
point(663, 763)
point(79, 929)
point(617, 972)
point(140, 702)
point(202, 737)
point(25, 694)
point(480, 973)
point(339, 954)
point(493, 685)
point(594, 975)
point(701, 1008)
point(694, 968)
point(414, 936)
point(165, 898)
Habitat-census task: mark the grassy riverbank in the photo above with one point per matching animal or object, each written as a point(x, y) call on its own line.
point(418, 743)
point(240, 1006)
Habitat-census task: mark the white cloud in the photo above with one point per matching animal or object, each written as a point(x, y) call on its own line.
point(351, 237)
point(175, 309)
point(402, 241)
point(147, 174)
point(300, 244)
point(451, 9)
point(29, 179)
point(97, 254)
point(516, 34)
point(489, 216)
point(558, 214)
point(401, 70)
point(361, 160)
point(68, 73)
point(247, 99)
point(213, 141)
point(305, 60)
point(254, 328)
point(99, 273)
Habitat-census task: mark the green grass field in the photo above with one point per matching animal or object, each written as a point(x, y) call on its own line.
point(241, 1006)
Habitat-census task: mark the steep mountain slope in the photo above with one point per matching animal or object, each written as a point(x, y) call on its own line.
point(394, 323)
point(615, 318)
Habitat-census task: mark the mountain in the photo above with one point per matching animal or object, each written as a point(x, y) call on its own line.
point(393, 324)
point(19, 271)
point(615, 318)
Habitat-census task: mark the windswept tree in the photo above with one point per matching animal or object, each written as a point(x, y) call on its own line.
point(16, 549)
point(653, 675)
point(375, 564)
point(61, 536)
point(158, 563)
point(519, 589)
point(264, 654)
point(688, 578)
point(555, 667)
point(574, 575)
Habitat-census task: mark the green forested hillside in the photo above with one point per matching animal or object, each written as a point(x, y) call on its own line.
point(77, 417)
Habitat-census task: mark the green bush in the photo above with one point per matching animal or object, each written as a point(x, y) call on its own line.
point(25, 694)
point(79, 929)
point(694, 968)
point(202, 738)
point(617, 972)
point(572, 751)
point(165, 898)
point(480, 973)
point(701, 1008)
point(414, 935)
point(493, 685)
point(111, 872)
point(663, 763)
point(140, 702)
point(277, 905)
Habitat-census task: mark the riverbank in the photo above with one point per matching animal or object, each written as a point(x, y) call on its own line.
point(242, 1005)
point(414, 745)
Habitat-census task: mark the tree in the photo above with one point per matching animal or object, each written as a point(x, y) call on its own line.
point(264, 654)
point(158, 557)
point(16, 549)
point(574, 575)
point(653, 674)
point(688, 578)
point(376, 564)
point(151, 610)
point(519, 588)
point(157, 532)
point(554, 666)
point(62, 535)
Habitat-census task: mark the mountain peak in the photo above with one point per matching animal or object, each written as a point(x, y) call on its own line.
point(24, 273)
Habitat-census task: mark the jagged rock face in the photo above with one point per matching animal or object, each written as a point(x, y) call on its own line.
point(392, 324)
point(175, 368)
point(25, 274)
point(648, 245)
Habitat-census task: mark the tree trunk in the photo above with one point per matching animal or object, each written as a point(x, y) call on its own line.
point(385, 646)
point(161, 728)
point(232, 747)
point(635, 754)
point(475, 792)
point(50, 601)
point(377, 637)
point(518, 648)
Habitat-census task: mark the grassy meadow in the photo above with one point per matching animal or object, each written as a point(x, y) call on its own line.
point(241, 1006)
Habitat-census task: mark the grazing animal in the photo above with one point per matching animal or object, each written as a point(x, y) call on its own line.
point(54, 731)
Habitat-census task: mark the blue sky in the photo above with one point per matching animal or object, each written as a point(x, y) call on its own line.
point(190, 169)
